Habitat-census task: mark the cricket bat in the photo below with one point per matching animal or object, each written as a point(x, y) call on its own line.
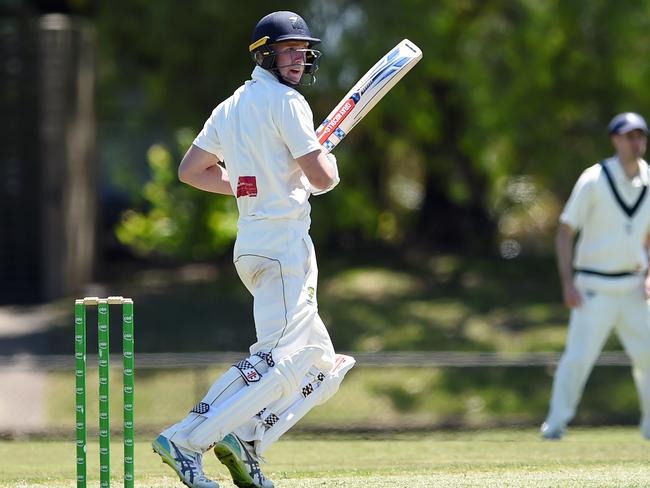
point(371, 88)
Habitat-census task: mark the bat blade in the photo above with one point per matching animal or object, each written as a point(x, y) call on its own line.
point(365, 94)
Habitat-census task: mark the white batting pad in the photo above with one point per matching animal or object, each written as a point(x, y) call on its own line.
point(283, 379)
point(320, 387)
point(237, 377)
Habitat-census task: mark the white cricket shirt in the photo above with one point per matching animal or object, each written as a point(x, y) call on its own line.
point(258, 132)
point(610, 240)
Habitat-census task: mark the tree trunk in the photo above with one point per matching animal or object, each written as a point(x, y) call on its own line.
point(442, 221)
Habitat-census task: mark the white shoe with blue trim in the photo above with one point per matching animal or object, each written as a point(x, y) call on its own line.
point(187, 464)
point(242, 462)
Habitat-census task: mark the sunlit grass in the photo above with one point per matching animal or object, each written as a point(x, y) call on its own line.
point(511, 458)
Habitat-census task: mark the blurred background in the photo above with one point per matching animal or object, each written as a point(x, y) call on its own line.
point(436, 251)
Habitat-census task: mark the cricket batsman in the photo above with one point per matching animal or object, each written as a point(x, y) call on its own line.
point(605, 282)
point(264, 135)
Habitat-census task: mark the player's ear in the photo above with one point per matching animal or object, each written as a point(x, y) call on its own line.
point(264, 58)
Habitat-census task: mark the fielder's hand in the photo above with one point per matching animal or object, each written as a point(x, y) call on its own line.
point(647, 287)
point(572, 297)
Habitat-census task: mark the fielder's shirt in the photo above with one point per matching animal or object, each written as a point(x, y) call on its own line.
point(612, 230)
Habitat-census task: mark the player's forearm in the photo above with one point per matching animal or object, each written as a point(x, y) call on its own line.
point(213, 179)
point(564, 253)
point(320, 169)
point(201, 169)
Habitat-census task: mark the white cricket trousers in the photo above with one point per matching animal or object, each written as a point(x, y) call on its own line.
point(283, 282)
point(589, 326)
point(279, 269)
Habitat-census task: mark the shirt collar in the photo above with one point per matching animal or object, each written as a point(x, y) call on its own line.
point(619, 174)
point(261, 74)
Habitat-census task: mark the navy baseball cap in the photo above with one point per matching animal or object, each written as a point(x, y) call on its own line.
point(627, 122)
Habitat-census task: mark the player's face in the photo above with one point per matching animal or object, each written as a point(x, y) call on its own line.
point(290, 60)
point(631, 144)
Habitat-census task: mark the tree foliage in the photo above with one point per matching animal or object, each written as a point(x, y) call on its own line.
point(180, 221)
point(480, 143)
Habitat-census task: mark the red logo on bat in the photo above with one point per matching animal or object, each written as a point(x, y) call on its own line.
point(339, 117)
point(246, 186)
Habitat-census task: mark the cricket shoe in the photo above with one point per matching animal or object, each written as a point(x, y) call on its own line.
point(552, 433)
point(242, 462)
point(186, 463)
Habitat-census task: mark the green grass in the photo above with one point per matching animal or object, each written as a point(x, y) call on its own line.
point(427, 302)
point(585, 458)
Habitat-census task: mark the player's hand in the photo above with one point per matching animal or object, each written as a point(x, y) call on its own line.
point(331, 159)
point(647, 287)
point(572, 297)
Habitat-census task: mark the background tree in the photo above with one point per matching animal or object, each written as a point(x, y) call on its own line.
point(479, 144)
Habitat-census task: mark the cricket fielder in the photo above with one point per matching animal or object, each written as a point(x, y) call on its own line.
point(264, 133)
point(608, 285)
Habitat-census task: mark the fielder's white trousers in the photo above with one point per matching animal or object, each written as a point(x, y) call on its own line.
point(589, 326)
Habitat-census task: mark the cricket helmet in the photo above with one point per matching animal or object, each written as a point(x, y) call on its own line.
point(279, 27)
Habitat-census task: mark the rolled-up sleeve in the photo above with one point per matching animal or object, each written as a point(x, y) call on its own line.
point(208, 138)
point(577, 207)
point(296, 126)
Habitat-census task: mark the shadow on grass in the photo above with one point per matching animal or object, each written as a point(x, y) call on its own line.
point(439, 302)
point(499, 396)
point(443, 303)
